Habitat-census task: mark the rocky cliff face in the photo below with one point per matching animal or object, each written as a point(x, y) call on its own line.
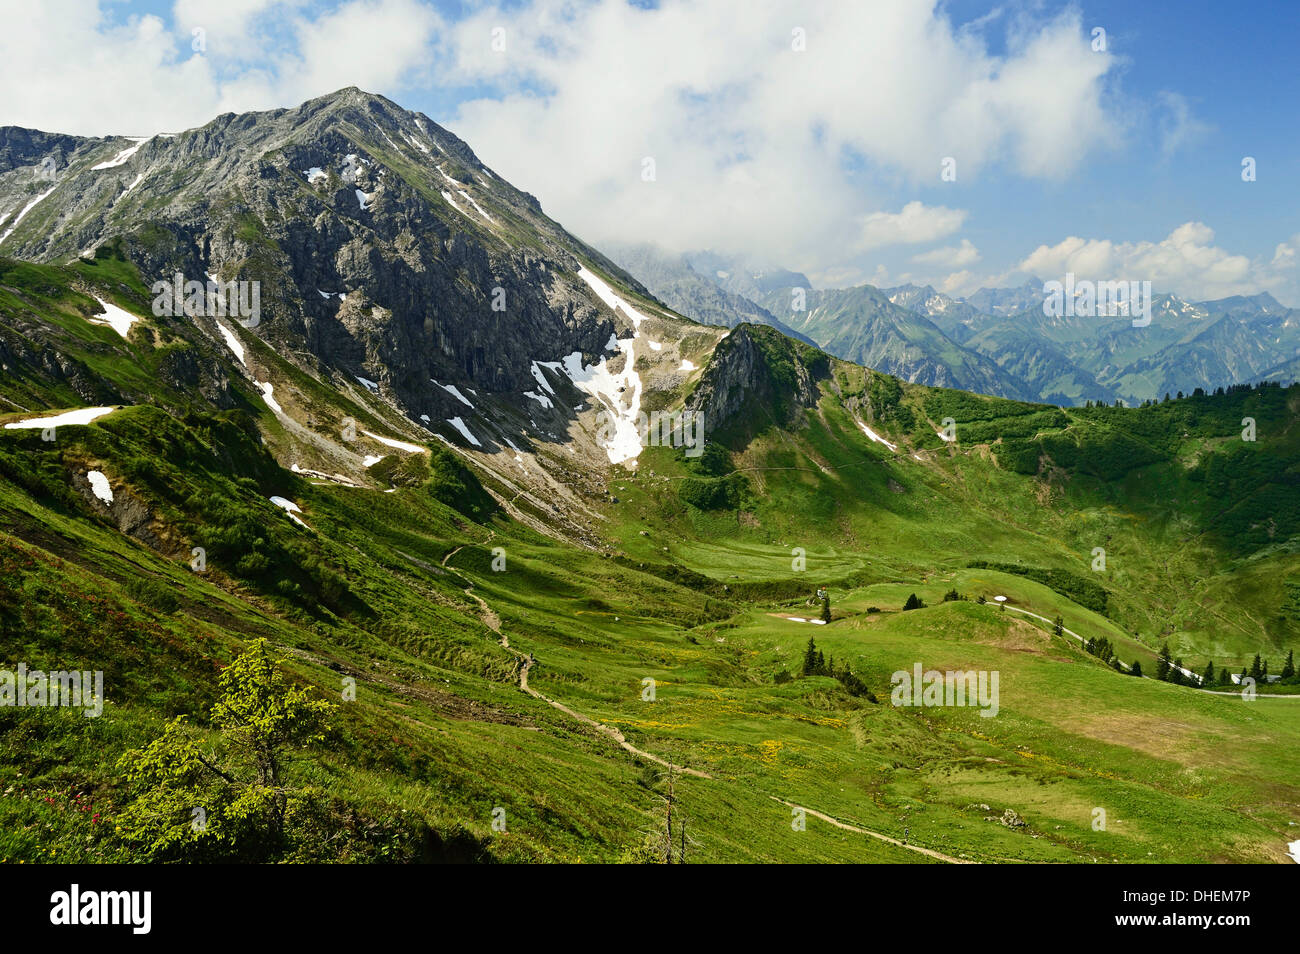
point(384, 248)
point(404, 292)
point(756, 373)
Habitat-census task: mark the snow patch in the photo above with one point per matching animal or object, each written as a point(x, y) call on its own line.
point(371, 386)
point(232, 343)
point(541, 378)
point(80, 416)
point(27, 208)
point(452, 202)
point(654, 345)
point(452, 390)
point(122, 157)
point(619, 395)
point(268, 396)
point(415, 142)
point(876, 437)
point(391, 442)
point(539, 398)
point(371, 460)
point(470, 200)
point(364, 199)
point(314, 174)
point(606, 294)
point(117, 319)
point(687, 365)
point(99, 486)
point(460, 426)
point(289, 507)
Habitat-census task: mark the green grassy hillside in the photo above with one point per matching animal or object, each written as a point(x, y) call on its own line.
point(676, 637)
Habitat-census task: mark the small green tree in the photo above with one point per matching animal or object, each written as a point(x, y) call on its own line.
point(1288, 667)
point(810, 658)
point(826, 606)
point(1207, 678)
point(1136, 668)
point(232, 802)
point(913, 602)
point(1162, 663)
point(1256, 668)
point(1058, 627)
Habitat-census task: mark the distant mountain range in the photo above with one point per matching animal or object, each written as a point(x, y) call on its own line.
point(995, 341)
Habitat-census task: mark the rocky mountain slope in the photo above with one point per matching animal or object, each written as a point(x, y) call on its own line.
point(864, 326)
point(394, 269)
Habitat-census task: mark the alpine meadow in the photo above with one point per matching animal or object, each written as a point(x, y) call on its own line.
point(835, 498)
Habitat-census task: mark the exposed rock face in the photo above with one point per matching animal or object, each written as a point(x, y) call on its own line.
point(757, 367)
point(46, 152)
point(1012, 820)
point(384, 248)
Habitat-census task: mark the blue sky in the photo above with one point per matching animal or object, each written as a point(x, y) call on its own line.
point(1123, 163)
point(1234, 64)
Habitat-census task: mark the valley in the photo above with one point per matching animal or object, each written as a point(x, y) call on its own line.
point(541, 632)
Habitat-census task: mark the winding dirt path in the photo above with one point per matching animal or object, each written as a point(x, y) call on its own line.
point(1186, 672)
point(493, 622)
point(607, 730)
point(875, 834)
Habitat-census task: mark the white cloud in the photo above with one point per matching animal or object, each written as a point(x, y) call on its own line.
point(952, 256)
point(754, 142)
point(914, 224)
point(1186, 263)
point(1177, 127)
point(82, 68)
point(959, 284)
point(223, 28)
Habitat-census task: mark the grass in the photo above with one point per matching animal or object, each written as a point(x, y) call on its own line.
point(440, 734)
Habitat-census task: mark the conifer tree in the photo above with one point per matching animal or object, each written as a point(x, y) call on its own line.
point(810, 657)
